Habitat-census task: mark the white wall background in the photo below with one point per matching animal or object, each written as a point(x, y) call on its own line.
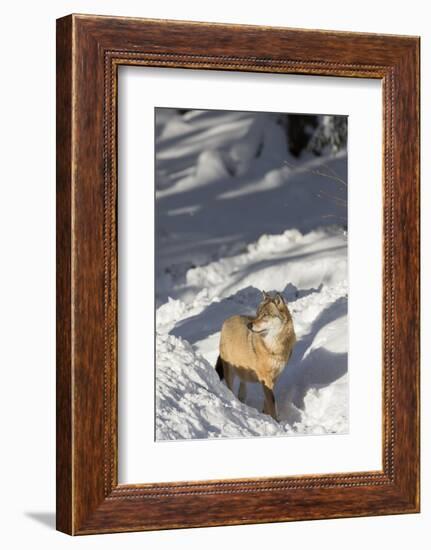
point(27, 246)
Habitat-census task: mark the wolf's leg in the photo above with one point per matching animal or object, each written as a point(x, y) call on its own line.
point(269, 402)
point(229, 376)
point(242, 392)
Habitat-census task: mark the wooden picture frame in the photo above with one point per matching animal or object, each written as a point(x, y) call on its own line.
point(89, 51)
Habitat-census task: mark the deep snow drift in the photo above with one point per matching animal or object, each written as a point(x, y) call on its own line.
point(237, 215)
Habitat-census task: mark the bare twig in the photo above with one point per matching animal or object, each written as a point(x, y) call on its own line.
point(332, 197)
point(334, 176)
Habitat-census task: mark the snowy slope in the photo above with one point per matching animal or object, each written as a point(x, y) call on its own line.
point(312, 391)
point(191, 402)
point(231, 224)
point(225, 179)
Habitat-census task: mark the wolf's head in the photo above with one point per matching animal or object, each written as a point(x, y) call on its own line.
point(271, 315)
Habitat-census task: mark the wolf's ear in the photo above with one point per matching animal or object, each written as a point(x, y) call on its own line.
point(279, 300)
point(265, 296)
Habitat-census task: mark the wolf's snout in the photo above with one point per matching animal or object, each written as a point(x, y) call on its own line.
point(250, 326)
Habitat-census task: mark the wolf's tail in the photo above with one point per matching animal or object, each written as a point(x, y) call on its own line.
point(219, 368)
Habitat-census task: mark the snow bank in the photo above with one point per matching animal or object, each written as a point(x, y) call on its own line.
point(312, 392)
point(192, 403)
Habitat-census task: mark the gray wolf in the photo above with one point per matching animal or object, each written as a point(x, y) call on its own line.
point(257, 349)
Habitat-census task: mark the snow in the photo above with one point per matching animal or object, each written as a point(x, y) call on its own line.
point(237, 215)
point(192, 403)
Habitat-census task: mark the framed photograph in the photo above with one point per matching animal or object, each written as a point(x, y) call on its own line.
point(237, 274)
